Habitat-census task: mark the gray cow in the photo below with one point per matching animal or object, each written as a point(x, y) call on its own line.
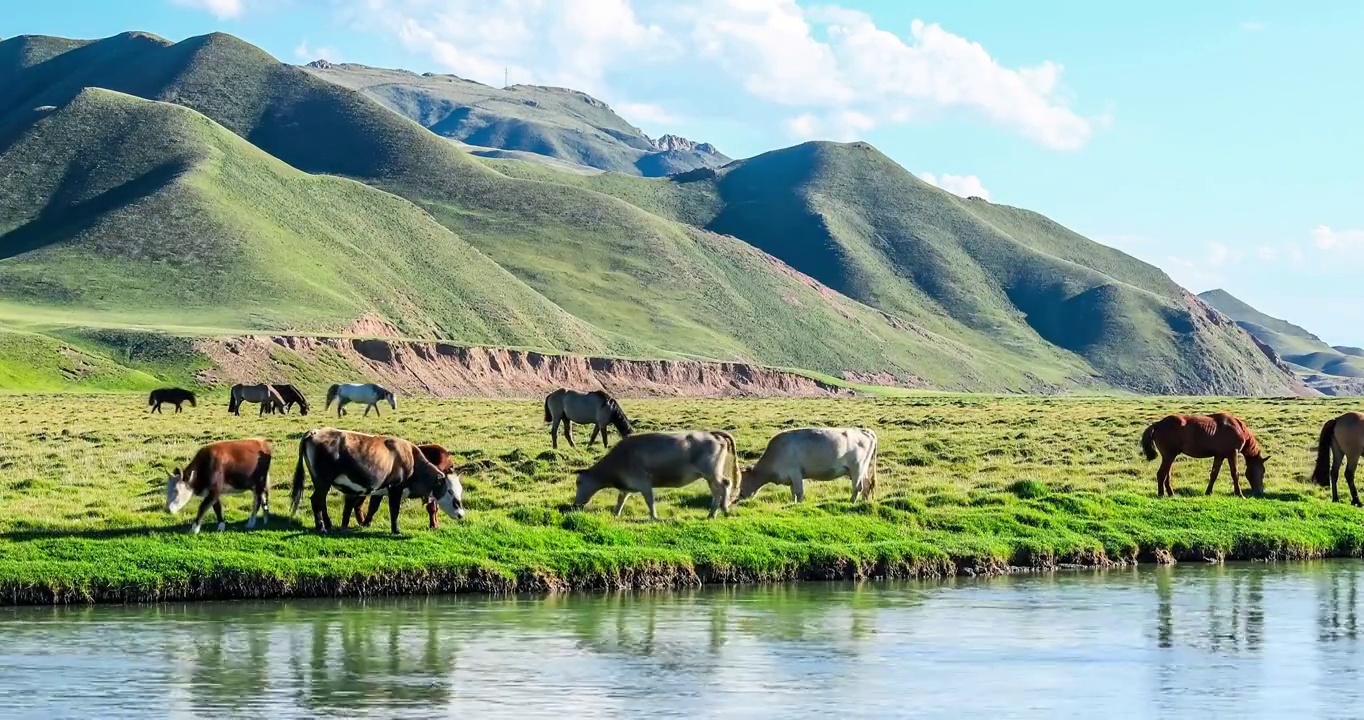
point(645, 461)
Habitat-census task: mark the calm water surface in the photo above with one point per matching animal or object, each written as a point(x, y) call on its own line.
point(1250, 641)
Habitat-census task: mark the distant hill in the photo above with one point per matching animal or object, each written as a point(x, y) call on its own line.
point(1326, 368)
point(554, 122)
point(825, 256)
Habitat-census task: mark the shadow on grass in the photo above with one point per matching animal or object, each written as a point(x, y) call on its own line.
point(293, 526)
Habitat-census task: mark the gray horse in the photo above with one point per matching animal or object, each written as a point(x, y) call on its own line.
point(264, 394)
point(368, 394)
point(595, 407)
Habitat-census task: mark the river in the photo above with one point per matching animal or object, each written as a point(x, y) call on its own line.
point(1257, 640)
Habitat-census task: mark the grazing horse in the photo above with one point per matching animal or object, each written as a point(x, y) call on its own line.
point(264, 394)
point(174, 396)
point(291, 396)
point(1342, 441)
point(369, 394)
point(440, 457)
point(818, 454)
point(223, 467)
point(360, 465)
point(646, 461)
point(595, 407)
point(1219, 436)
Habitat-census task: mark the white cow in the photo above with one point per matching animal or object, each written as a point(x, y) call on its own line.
point(645, 461)
point(794, 456)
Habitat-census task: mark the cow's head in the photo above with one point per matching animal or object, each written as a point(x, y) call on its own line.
point(450, 496)
point(588, 485)
point(178, 491)
point(749, 483)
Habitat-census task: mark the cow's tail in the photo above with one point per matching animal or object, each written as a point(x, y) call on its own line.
point(331, 395)
point(733, 461)
point(869, 473)
point(296, 494)
point(1322, 474)
point(1148, 442)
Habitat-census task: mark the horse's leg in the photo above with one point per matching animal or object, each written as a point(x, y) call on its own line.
point(1235, 477)
point(603, 437)
point(568, 432)
point(1167, 464)
point(620, 502)
point(1350, 478)
point(218, 510)
point(554, 433)
point(1336, 460)
point(1212, 480)
point(593, 438)
point(203, 510)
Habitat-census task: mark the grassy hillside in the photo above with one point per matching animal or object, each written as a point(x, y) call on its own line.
point(1295, 344)
point(554, 122)
point(823, 256)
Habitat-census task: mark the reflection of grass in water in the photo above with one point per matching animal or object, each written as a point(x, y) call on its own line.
point(979, 482)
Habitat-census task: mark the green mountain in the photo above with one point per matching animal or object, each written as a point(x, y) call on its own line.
point(553, 122)
point(824, 256)
point(1309, 353)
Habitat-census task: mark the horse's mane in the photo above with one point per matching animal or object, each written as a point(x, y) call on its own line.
point(618, 419)
point(1252, 447)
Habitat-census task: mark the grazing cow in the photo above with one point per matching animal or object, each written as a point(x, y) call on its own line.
point(368, 394)
point(262, 393)
point(793, 456)
point(230, 466)
point(360, 465)
point(438, 456)
point(595, 407)
point(174, 396)
point(645, 461)
point(290, 396)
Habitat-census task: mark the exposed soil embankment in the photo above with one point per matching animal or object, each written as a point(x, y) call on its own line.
point(445, 370)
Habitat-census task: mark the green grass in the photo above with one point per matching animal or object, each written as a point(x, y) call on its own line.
point(965, 482)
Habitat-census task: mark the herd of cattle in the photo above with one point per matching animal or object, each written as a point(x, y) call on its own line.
point(361, 465)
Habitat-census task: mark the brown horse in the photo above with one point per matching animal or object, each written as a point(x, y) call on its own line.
point(1342, 441)
point(1219, 436)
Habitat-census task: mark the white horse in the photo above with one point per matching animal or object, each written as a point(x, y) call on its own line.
point(369, 394)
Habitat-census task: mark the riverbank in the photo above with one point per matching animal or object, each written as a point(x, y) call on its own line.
point(968, 484)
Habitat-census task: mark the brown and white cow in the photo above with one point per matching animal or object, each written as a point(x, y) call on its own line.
point(360, 465)
point(794, 456)
point(230, 466)
point(645, 461)
point(440, 457)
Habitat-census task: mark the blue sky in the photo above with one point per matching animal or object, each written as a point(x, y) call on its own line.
point(1220, 141)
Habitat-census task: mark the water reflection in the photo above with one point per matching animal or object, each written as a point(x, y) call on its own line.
point(1258, 640)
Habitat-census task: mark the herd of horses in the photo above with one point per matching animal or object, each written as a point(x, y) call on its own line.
point(361, 465)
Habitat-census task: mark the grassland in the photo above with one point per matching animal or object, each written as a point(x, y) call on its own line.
point(967, 483)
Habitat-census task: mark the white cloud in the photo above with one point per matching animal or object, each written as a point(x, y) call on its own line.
point(308, 53)
point(1267, 253)
point(646, 113)
point(222, 9)
point(1326, 238)
point(1192, 275)
point(1253, 26)
point(1218, 254)
point(841, 73)
point(963, 185)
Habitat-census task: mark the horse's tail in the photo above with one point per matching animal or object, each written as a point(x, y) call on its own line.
point(733, 464)
point(331, 395)
point(869, 476)
point(618, 419)
point(1148, 442)
point(296, 494)
point(1322, 474)
point(548, 417)
point(232, 400)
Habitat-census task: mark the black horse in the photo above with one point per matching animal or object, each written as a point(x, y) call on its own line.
point(174, 396)
point(292, 396)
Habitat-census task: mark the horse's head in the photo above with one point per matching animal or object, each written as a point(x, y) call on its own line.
point(1255, 473)
point(178, 491)
point(391, 398)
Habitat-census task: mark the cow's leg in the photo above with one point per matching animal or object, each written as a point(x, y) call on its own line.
point(620, 502)
point(203, 510)
point(1167, 463)
point(368, 516)
point(255, 507)
point(1235, 476)
point(568, 432)
point(1350, 479)
point(352, 504)
point(1216, 468)
point(648, 493)
point(719, 491)
point(395, 499)
point(265, 503)
point(319, 502)
point(431, 512)
point(798, 489)
point(1336, 461)
point(218, 510)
